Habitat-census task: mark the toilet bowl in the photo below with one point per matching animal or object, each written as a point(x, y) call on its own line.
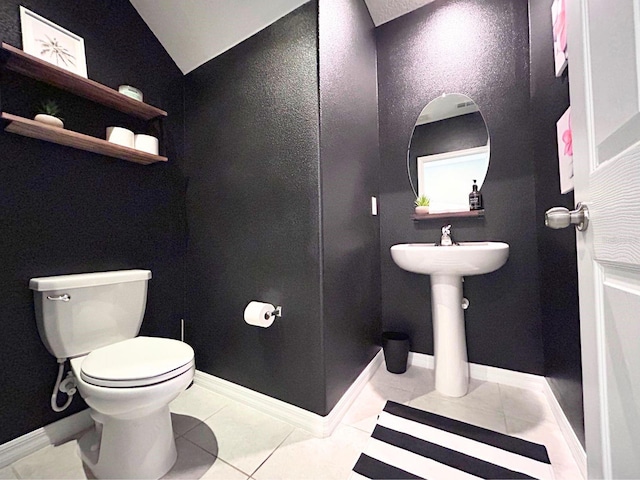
point(128, 386)
point(127, 381)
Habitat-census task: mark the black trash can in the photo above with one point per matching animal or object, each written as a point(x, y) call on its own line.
point(396, 351)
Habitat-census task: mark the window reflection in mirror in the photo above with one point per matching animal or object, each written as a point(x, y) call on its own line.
point(449, 149)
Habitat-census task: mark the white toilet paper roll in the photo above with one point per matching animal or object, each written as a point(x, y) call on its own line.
point(120, 136)
point(259, 314)
point(146, 143)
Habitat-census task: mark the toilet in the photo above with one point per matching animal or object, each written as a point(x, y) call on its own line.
point(93, 319)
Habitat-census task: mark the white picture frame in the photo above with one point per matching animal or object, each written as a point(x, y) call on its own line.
point(52, 43)
point(565, 152)
point(559, 25)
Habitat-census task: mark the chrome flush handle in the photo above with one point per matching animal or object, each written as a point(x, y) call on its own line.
point(59, 298)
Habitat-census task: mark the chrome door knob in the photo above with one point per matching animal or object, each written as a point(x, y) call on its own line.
point(560, 217)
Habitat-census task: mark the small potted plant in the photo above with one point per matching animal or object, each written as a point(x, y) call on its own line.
point(49, 113)
point(422, 205)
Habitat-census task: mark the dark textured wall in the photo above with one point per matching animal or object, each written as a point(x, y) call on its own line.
point(479, 49)
point(448, 135)
point(281, 170)
point(253, 205)
point(556, 248)
point(67, 211)
point(349, 167)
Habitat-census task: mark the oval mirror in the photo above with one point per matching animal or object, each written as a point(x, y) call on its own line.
point(449, 149)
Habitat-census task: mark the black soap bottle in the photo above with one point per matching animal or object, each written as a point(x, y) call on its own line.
point(475, 198)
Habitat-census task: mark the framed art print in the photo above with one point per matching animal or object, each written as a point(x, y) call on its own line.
point(565, 152)
point(52, 43)
point(559, 19)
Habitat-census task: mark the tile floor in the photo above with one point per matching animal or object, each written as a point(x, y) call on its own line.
point(219, 438)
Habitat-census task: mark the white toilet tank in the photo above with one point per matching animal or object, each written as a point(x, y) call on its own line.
point(79, 313)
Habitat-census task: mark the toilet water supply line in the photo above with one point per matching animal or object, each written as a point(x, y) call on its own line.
point(67, 386)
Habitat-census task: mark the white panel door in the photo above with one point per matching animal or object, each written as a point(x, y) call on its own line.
point(604, 63)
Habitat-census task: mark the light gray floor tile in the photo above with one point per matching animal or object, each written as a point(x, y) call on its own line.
point(480, 396)
point(182, 423)
point(525, 404)
point(547, 434)
point(364, 411)
point(413, 378)
point(60, 462)
point(7, 473)
point(303, 456)
point(241, 436)
point(192, 406)
point(426, 383)
point(492, 420)
point(194, 463)
point(567, 472)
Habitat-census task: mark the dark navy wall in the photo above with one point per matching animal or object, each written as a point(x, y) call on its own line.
point(252, 137)
point(281, 135)
point(556, 248)
point(67, 211)
point(479, 49)
point(350, 168)
point(450, 134)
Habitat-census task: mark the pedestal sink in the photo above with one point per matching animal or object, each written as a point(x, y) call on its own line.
point(447, 266)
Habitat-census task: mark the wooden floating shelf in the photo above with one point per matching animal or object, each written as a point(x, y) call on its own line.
point(30, 66)
point(31, 128)
point(434, 216)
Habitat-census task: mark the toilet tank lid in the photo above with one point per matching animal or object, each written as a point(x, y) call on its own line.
point(79, 280)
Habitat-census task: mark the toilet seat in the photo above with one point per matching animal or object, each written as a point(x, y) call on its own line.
point(137, 362)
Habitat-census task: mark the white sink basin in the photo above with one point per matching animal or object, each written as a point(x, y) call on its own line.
point(467, 258)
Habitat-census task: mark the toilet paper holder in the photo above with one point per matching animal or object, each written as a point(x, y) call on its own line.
point(276, 313)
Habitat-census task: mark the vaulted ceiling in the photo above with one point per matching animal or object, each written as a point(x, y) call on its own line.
point(195, 31)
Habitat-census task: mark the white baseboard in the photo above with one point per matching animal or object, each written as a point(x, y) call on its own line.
point(486, 373)
point(577, 451)
point(421, 360)
point(52, 434)
point(315, 424)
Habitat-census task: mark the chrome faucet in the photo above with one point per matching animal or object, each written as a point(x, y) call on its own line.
point(446, 240)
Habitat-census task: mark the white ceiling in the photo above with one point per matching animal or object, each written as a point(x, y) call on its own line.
point(195, 31)
point(384, 10)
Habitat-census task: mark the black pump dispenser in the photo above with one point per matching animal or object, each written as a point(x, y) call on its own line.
point(475, 198)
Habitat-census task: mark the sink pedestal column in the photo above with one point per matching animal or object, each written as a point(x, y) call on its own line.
point(450, 344)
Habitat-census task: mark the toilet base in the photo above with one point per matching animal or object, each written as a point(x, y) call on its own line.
point(130, 448)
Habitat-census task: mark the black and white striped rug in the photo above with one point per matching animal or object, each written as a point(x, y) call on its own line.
point(408, 443)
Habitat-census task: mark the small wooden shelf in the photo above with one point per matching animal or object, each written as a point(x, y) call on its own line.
point(33, 129)
point(30, 66)
point(435, 216)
